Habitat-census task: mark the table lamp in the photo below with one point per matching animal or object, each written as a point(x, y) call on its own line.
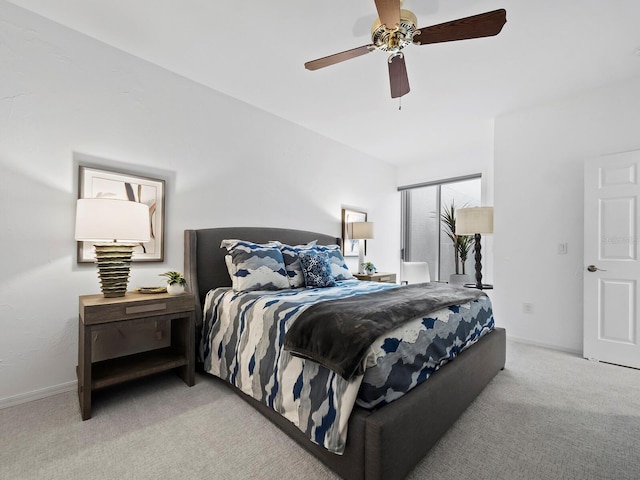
point(115, 227)
point(361, 231)
point(475, 221)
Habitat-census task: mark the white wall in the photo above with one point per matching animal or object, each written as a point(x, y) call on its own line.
point(67, 99)
point(539, 155)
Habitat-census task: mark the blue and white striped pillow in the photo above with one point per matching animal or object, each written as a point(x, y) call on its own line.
point(256, 267)
point(292, 262)
point(339, 268)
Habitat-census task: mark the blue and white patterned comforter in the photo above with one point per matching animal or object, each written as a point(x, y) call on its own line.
point(242, 342)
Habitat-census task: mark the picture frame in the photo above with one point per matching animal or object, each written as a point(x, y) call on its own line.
point(350, 246)
point(94, 182)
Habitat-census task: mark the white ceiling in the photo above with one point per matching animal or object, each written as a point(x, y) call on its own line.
point(254, 50)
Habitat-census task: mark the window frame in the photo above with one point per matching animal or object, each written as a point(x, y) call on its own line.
point(405, 212)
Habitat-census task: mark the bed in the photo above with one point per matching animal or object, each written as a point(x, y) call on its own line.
point(385, 442)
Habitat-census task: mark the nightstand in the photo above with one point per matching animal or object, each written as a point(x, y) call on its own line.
point(377, 277)
point(98, 312)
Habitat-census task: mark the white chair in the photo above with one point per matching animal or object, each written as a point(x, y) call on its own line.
point(414, 272)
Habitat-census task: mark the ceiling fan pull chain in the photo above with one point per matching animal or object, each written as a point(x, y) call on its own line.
point(399, 103)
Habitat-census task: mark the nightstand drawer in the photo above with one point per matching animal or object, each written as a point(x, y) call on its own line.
point(383, 277)
point(127, 338)
point(390, 278)
point(95, 309)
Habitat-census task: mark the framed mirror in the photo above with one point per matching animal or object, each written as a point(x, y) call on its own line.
point(349, 246)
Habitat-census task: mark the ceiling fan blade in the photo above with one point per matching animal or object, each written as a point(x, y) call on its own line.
point(389, 12)
point(338, 57)
point(398, 76)
point(482, 25)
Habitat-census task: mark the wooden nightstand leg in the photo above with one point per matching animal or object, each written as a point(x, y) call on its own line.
point(191, 350)
point(183, 337)
point(84, 370)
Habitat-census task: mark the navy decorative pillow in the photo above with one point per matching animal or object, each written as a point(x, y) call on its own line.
point(292, 262)
point(316, 269)
point(339, 268)
point(255, 267)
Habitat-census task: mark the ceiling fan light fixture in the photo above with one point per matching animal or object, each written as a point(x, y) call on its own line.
point(391, 40)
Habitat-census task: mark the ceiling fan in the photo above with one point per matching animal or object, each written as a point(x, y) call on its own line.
point(396, 28)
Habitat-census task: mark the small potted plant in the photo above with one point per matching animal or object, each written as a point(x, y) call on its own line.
point(368, 268)
point(175, 282)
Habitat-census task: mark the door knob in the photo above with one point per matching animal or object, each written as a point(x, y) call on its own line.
point(593, 268)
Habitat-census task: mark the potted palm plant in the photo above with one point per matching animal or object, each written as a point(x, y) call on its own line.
point(461, 245)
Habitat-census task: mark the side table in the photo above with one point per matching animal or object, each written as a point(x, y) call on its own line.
point(96, 311)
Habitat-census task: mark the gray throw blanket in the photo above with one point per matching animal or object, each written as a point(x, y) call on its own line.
point(338, 333)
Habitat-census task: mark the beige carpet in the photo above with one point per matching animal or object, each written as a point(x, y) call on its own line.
point(549, 415)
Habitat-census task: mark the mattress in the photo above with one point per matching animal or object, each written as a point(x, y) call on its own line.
point(242, 342)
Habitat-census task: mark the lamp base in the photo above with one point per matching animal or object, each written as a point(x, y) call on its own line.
point(114, 261)
point(479, 285)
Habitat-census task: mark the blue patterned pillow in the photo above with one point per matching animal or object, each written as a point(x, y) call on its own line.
point(316, 268)
point(255, 267)
point(339, 268)
point(292, 262)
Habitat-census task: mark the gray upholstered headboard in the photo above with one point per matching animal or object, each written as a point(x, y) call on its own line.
point(204, 266)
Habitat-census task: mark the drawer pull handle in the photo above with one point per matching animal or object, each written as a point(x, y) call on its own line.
point(156, 307)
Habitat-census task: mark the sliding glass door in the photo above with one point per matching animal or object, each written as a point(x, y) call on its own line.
point(424, 233)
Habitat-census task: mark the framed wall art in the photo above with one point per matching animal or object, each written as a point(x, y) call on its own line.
point(100, 183)
point(349, 246)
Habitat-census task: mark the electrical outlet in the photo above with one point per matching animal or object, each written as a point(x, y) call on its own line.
point(563, 248)
point(527, 307)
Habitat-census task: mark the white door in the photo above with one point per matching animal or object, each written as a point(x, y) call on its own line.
point(612, 268)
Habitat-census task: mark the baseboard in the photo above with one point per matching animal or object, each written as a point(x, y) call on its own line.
point(544, 345)
point(37, 394)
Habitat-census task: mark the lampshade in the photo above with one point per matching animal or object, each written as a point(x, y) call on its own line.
point(470, 221)
point(361, 230)
point(109, 220)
